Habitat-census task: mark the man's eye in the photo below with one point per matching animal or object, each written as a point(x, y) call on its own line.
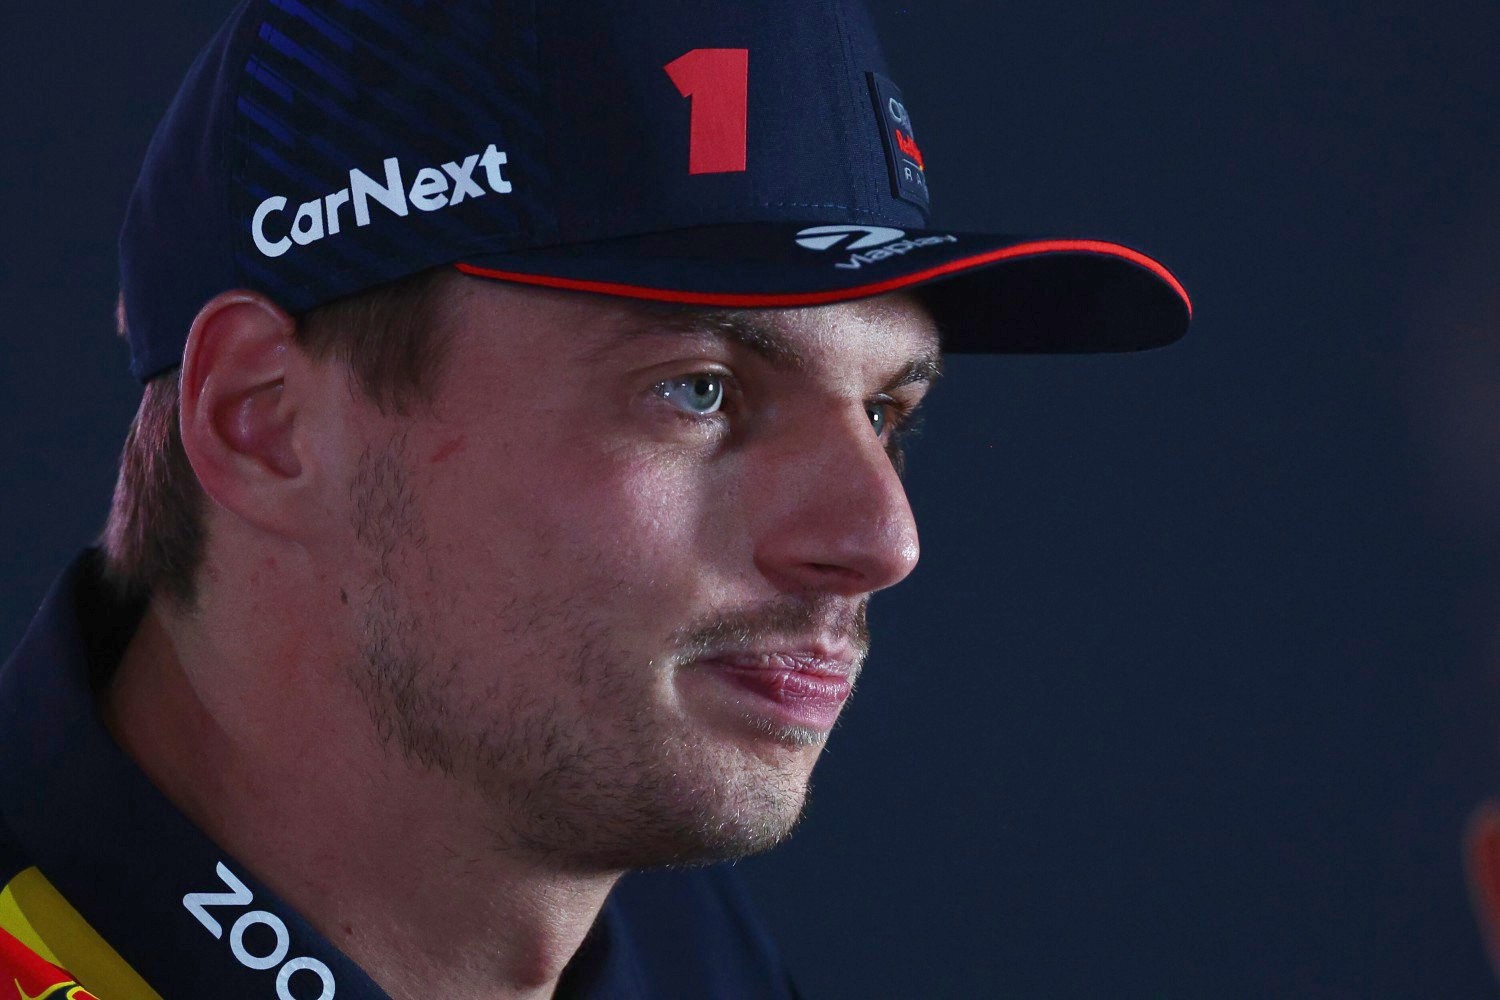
point(699, 394)
point(885, 416)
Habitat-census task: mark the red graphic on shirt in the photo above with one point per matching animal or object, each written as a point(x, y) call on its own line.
point(32, 976)
point(908, 145)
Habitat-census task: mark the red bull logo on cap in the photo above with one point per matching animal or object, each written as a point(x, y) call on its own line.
point(908, 145)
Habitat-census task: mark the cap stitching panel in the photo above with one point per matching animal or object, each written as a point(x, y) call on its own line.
point(823, 204)
point(844, 93)
point(544, 78)
point(547, 214)
point(250, 22)
point(854, 111)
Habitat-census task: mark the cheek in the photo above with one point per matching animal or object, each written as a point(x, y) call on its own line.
point(566, 517)
point(644, 520)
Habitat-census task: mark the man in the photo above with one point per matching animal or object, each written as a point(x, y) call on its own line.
point(519, 451)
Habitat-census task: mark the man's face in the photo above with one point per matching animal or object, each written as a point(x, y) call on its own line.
point(615, 581)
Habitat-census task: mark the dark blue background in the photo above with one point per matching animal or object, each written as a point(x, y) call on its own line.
point(1191, 692)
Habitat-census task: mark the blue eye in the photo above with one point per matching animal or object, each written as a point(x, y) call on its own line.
point(699, 394)
point(887, 417)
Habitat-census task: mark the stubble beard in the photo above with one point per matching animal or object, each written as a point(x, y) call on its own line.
point(606, 784)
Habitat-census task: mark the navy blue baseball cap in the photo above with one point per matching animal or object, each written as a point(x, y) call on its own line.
point(707, 152)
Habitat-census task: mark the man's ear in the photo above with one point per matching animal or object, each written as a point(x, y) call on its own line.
point(1482, 854)
point(239, 408)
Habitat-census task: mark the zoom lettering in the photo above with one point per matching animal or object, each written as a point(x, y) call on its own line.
point(239, 897)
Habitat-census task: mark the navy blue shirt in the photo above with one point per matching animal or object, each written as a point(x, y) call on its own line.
point(103, 877)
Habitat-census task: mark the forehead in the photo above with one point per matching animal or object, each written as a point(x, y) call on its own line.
point(895, 327)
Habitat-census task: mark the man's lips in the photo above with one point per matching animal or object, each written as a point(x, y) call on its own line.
point(803, 689)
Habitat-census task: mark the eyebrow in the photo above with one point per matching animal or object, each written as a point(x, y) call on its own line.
point(756, 334)
point(743, 328)
point(923, 370)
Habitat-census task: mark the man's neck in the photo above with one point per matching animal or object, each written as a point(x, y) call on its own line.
point(394, 863)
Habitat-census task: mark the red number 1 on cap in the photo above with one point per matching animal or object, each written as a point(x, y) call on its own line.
point(717, 81)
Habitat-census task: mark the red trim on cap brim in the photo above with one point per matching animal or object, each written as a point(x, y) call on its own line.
point(751, 301)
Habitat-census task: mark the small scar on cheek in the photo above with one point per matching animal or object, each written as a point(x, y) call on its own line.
point(447, 450)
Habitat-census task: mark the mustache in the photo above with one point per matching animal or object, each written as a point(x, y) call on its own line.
point(824, 618)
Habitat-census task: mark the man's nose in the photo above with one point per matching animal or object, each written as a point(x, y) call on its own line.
point(837, 517)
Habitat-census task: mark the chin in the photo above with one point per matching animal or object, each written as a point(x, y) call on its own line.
point(683, 813)
point(718, 839)
point(757, 804)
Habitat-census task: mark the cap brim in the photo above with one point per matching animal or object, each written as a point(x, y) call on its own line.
point(988, 293)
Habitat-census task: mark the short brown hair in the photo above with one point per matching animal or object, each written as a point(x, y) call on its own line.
point(394, 339)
